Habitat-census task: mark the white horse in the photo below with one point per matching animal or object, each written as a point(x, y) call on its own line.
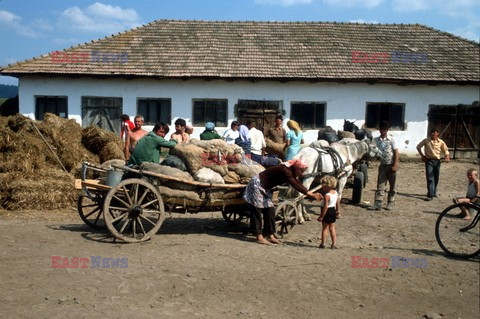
point(336, 159)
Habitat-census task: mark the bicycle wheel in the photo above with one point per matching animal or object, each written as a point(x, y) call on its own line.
point(456, 236)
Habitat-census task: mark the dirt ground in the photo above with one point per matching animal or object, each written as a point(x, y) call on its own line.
point(199, 267)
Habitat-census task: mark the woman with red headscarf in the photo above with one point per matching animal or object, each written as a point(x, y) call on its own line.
point(259, 195)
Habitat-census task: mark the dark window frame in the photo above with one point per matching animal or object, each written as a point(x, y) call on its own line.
point(40, 115)
point(315, 105)
point(384, 111)
point(160, 100)
point(217, 122)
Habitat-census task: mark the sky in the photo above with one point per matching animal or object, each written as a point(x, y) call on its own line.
point(29, 28)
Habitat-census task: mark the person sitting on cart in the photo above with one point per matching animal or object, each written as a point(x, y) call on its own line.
point(148, 147)
point(258, 195)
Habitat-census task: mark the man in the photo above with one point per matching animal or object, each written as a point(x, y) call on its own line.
point(127, 125)
point(387, 171)
point(277, 134)
point(434, 147)
point(148, 147)
point(134, 136)
point(257, 142)
point(180, 134)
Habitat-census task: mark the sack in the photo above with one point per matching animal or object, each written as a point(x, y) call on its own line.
point(174, 161)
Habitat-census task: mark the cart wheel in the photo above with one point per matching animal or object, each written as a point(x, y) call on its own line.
point(90, 208)
point(235, 216)
point(286, 215)
point(357, 188)
point(133, 210)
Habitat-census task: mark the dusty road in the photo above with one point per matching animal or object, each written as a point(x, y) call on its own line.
point(199, 267)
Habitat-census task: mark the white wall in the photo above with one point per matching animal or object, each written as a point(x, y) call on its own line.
point(344, 101)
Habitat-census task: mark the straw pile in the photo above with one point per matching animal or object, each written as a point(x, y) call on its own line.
point(30, 175)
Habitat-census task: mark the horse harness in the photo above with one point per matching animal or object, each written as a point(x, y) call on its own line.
point(338, 164)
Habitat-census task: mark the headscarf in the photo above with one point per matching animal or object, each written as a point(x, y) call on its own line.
point(243, 130)
point(293, 125)
point(298, 162)
point(209, 126)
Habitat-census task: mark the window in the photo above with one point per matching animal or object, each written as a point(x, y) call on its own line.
point(391, 112)
point(210, 111)
point(310, 115)
point(57, 105)
point(155, 110)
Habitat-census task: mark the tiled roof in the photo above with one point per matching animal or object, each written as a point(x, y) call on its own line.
point(313, 51)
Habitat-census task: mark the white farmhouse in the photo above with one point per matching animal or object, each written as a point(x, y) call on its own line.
point(316, 73)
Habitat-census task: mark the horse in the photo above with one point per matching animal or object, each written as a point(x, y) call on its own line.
point(336, 159)
point(360, 134)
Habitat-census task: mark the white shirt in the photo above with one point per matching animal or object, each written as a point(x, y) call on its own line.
point(257, 140)
point(230, 136)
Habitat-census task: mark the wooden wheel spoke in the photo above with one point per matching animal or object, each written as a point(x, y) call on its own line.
point(92, 212)
point(149, 203)
point(96, 219)
point(147, 219)
point(143, 195)
point(89, 205)
point(124, 225)
point(141, 227)
point(121, 201)
point(122, 216)
point(134, 228)
point(122, 209)
point(127, 194)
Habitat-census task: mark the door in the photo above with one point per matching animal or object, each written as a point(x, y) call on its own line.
point(103, 112)
point(262, 112)
point(459, 127)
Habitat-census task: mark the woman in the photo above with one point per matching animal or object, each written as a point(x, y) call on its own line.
point(209, 133)
point(232, 133)
point(258, 195)
point(294, 139)
point(244, 140)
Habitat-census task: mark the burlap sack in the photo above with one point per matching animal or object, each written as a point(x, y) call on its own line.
point(345, 134)
point(170, 171)
point(206, 175)
point(273, 148)
point(191, 155)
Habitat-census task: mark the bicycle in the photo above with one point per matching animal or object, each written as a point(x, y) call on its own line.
point(456, 236)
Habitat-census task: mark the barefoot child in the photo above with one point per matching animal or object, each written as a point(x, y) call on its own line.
point(329, 210)
point(473, 192)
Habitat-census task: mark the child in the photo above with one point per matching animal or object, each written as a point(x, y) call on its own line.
point(330, 209)
point(473, 192)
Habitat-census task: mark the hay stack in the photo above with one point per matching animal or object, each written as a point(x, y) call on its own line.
point(106, 144)
point(30, 175)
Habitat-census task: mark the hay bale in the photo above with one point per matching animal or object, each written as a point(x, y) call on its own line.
point(176, 193)
point(246, 170)
point(206, 175)
point(95, 139)
point(345, 134)
point(191, 155)
point(220, 169)
point(273, 148)
point(231, 178)
point(111, 150)
point(174, 161)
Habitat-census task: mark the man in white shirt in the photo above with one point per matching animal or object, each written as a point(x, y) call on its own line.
point(387, 171)
point(258, 142)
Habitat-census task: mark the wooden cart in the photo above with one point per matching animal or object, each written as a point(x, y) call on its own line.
point(133, 209)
